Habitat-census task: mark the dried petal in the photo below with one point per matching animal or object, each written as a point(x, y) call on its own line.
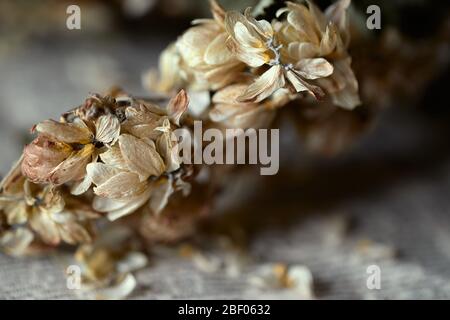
point(337, 13)
point(300, 18)
point(217, 52)
point(99, 173)
point(113, 157)
point(217, 11)
point(124, 185)
point(301, 85)
point(269, 82)
point(118, 210)
point(65, 132)
point(329, 40)
point(177, 106)
point(162, 190)
point(74, 167)
point(141, 157)
point(301, 50)
point(107, 129)
point(314, 68)
point(167, 146)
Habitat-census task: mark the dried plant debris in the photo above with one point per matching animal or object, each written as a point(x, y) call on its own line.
point(106, 265)
point(280, 281)
point(219, 256)
point(367, 249)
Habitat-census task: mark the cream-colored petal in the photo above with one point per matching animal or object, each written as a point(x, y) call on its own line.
point(167, 147)
point(130, 206)
point(161, 192)
point(317, 15)
point(281, 11)
point(124, 185)
point(302, 85)
point(262, 27)
point(143, 113)
point(329, 40)
point(302, 50)
point(217, 52)
point(65, 132)
point(200, 101)
point(169, 71)
point(226, 104)
point(102, 204)
point(107, 129)
point(256, 117)
point(231, 19)
point(99, 172)
point(165, 128)
point(346, 98)
point(337, 13)
point(300, 18)
point(141, 158)
point(343, 85)
point(113, 157)
point(245, 37)
point(217, 12)
point(221, 112)
point(82, 186)
point(223, 75)
point(193, 43)
point(247, 44)
point(253, 59)
point(141, 121)
point(269, 82)
point(145, 130)
point(314, 68)
point(229, 94)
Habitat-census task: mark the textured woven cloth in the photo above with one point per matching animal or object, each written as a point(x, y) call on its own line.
point(385, 203)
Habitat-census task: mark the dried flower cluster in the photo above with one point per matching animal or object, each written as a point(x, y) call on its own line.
point(255, 66)
point(109, 157)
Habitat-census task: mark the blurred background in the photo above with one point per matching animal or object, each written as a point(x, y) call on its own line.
point(384, 201)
